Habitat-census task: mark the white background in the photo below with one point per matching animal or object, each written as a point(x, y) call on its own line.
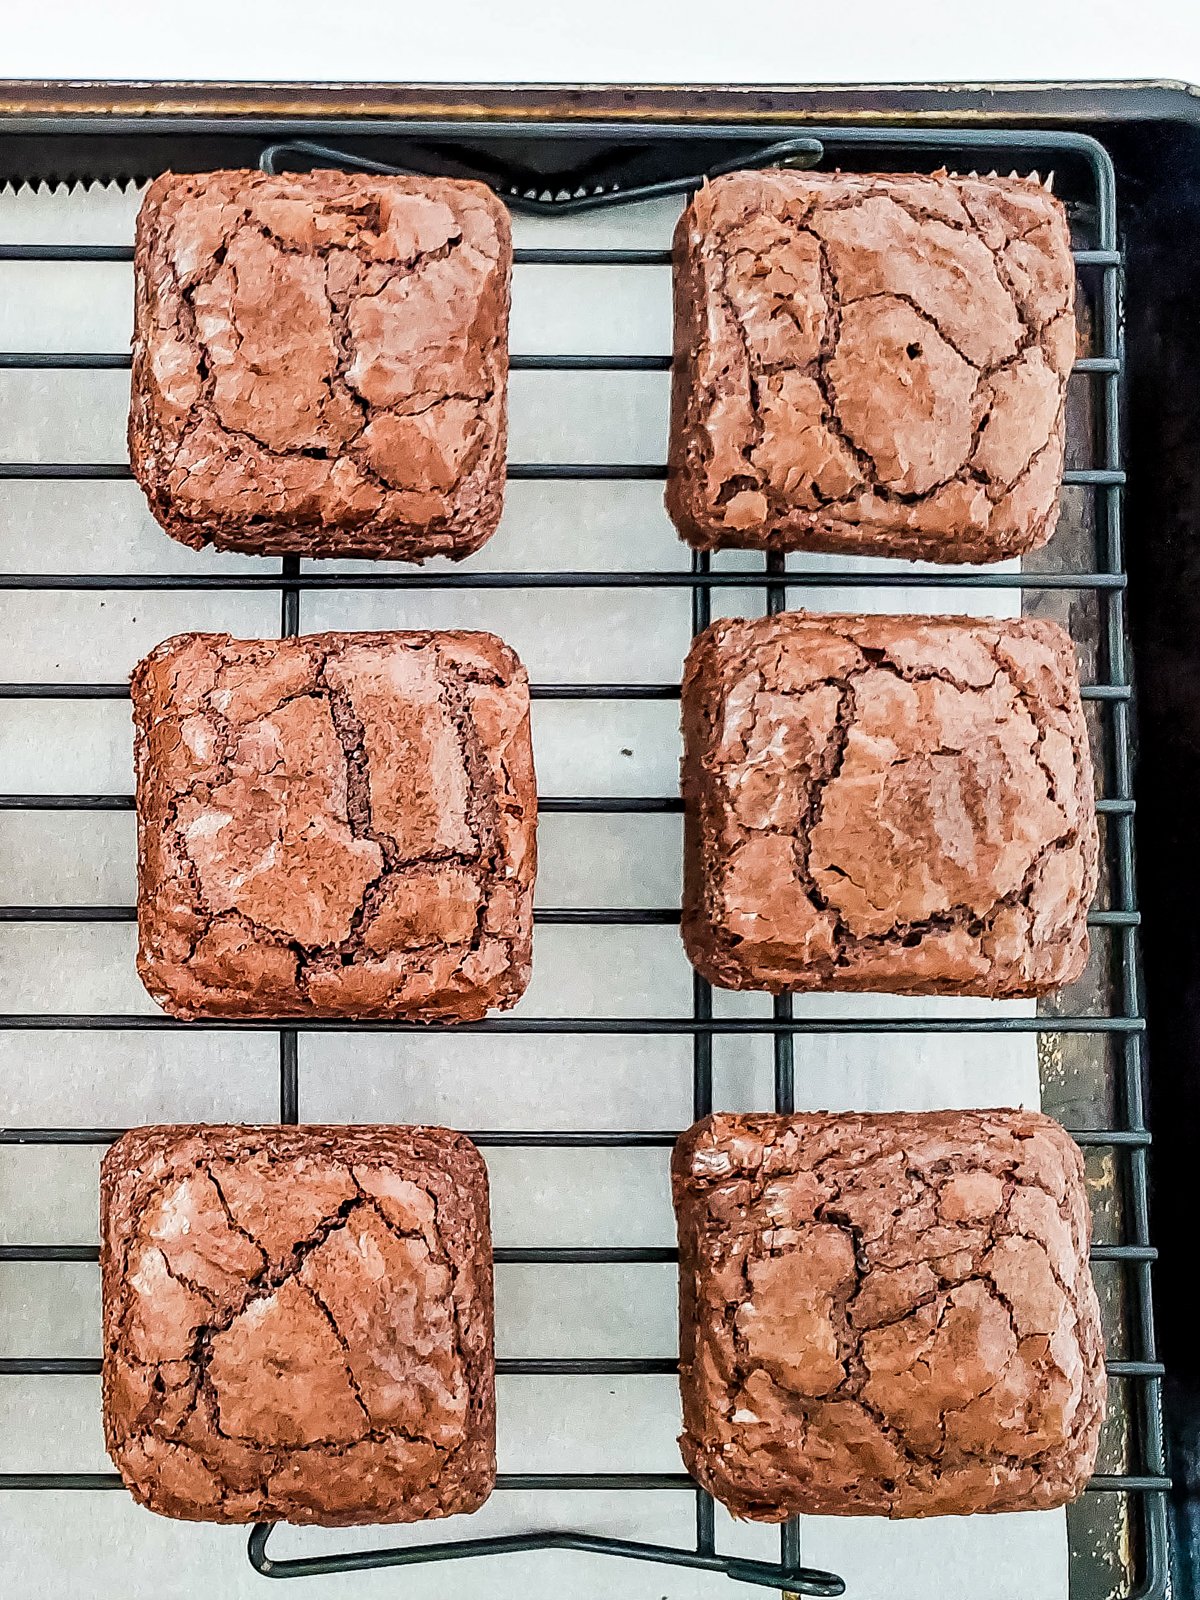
point(625, 41)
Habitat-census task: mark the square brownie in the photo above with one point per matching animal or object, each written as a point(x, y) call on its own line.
point(870, 364)
point(320, 362)
point(892, 803)
point(298, 1323)
point(339, 825)
point(887, 1314)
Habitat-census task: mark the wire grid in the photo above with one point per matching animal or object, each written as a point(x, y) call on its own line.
point(1145, 1482)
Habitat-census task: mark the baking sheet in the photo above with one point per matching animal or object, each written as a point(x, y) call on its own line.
point(102, 1544)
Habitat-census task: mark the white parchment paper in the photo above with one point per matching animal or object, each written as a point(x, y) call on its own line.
point(102, 1546)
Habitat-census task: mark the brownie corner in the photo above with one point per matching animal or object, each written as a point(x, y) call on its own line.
point(156, 196)
point(687, 1149)
point(496, 208)
point(145, 686)
point(708, 651)
point(462, 1157)
point(709, 949)
point(125, 1158)
point(464, 648)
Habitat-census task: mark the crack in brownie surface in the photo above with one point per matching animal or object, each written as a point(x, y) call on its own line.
point(871, 363)
point(320, 362)
point(298, 1323)
point(888, 1314)
point(340, 824)
point(892, 803)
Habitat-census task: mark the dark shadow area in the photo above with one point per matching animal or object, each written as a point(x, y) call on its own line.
point(1159, 193)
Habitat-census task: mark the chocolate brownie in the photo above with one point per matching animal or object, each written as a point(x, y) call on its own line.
point(892, 803)
point(339, 825)
point(320, 362)
point(298, 1323)
point(889, 1314)
point(870, 364)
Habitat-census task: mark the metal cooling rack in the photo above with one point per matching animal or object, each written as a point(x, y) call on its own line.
point(1120, 1024)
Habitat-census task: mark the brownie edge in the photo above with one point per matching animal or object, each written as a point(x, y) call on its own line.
point(298, 1323)
point(886, 1313)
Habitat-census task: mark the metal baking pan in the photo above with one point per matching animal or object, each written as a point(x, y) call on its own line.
point(595, 174)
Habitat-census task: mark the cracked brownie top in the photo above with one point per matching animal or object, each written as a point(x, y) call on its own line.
point(888, 1314)
point(298, 1322)
point(893, 803)
point(871, 363)
point(338, 825)
point(320, 362)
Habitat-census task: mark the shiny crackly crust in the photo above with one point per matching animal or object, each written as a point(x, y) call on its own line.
point(892, 803)
point(335, 825)
point(889, 1314)
point(871, 363)
point(320, 362)
point(298, 1322)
